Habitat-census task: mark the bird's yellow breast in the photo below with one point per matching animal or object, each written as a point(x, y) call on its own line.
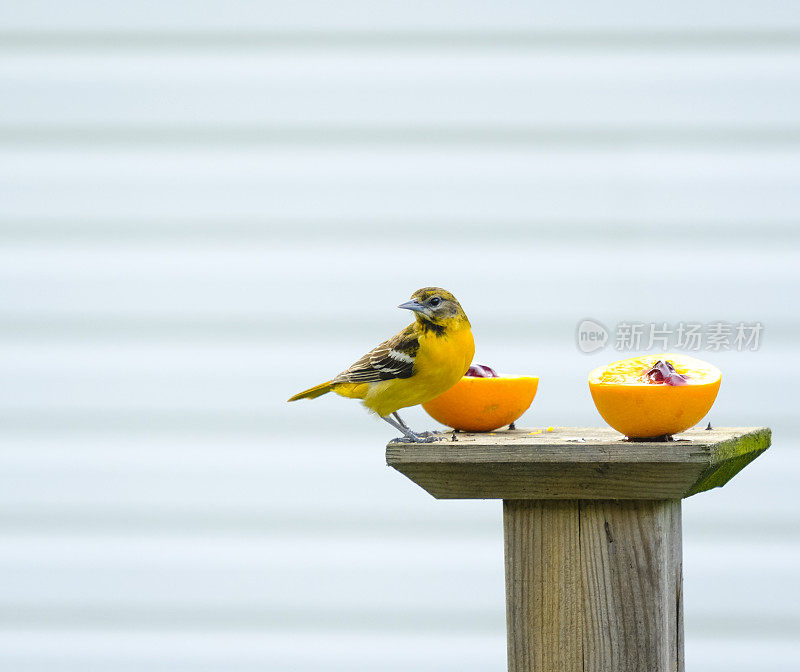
point(440, 363)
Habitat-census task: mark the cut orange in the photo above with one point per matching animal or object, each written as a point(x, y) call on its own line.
point(483, 404)
point(654, 395)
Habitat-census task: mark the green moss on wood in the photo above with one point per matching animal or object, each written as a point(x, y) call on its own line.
point(729, 458)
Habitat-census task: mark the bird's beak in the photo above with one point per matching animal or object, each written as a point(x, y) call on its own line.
point(414, 305)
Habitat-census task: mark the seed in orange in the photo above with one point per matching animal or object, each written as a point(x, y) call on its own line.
point(654, 395)
point(483, 404)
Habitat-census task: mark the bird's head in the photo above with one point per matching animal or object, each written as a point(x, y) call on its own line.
point(436, 308)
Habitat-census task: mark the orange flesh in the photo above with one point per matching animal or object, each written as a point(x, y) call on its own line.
point(483, 404)
point(630, 371)
point(640, 408)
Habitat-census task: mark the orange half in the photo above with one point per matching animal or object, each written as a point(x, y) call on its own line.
point(641, 409)
point(483, 404)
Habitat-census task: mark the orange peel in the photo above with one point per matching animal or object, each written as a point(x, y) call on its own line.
point(483, 404)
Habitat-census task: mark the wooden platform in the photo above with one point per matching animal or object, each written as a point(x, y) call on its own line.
point(576, 462)
point(592, 530)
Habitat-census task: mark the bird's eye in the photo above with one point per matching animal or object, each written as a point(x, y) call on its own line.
point(435, 301)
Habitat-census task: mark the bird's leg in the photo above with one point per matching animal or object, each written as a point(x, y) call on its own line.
point(409, 436)
point(394, 423)
point(406, 427)
point(400, 420)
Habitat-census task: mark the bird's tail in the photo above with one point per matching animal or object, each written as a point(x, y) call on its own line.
point(314, 392)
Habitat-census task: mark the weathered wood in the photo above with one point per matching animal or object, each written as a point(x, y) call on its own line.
point(593, 585)
point(592, 534)
point(577, 463)
point(543, 585)
point(631, 570)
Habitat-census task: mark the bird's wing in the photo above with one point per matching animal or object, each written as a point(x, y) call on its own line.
point(391, 359)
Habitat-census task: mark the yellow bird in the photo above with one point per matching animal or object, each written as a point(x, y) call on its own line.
point(425, 359)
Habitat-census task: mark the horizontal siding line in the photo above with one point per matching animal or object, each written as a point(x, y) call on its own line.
point(237, 329)
point(210, 521)
point(404, 167)
point(639, 39)
point(115, 229)
point(42, 421)
point(746, 138)
point(547, 333)
point(382, 618)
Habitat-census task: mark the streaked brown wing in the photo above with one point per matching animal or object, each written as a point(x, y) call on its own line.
point(391, 359)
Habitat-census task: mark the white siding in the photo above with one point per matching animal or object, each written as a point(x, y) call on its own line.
point(208, 206)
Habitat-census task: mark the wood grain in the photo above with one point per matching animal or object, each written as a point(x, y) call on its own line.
point(543, 585)
point(631, 572)
point(593, 586)
point(577, 463)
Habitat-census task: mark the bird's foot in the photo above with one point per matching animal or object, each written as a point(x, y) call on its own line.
point(413, 437)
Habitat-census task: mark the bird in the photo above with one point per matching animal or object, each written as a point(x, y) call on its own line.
point(416, 365)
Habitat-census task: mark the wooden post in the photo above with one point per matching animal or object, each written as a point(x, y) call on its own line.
point(594, 581)
point(592, 528)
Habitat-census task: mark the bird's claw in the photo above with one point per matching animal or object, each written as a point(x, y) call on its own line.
point(427, 437)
